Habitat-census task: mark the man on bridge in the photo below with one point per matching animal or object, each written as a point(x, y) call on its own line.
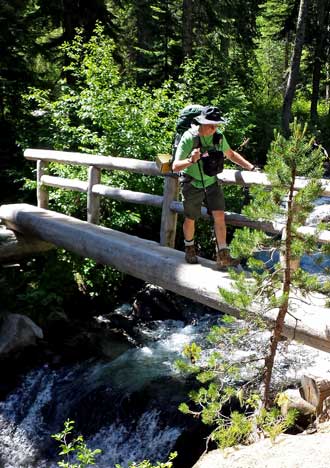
point(198, 187)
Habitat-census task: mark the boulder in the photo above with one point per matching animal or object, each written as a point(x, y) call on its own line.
point(17, 332)
point(288, 451)
point(154, 303)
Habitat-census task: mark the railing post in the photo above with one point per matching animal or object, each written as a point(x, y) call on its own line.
point(93, 200)
point(42, 192)
point(169, 218)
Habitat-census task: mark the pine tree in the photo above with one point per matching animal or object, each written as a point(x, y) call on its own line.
point(288, 159)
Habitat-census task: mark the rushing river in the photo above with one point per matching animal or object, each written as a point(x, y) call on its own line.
point(127, 406)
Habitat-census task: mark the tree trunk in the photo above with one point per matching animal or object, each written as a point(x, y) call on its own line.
point(187, 21)
point(295, 66)
point(283, 309)
point(318, 57)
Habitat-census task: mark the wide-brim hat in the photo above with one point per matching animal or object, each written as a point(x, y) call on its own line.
point(210, 115)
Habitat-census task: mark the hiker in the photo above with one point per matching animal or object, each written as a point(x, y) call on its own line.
point(198, 187)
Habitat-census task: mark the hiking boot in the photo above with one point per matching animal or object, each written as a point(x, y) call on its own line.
point(224, 260)
point(191, 256)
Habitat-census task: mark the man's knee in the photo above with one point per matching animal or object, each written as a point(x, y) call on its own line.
point(189, 221)
point(218, 216)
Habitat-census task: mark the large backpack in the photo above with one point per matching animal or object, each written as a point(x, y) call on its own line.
point(213, 163)
point(184, 121)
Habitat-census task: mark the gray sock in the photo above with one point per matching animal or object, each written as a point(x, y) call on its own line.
point(189, 243)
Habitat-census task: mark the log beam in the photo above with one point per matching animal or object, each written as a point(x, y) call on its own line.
point(160, 265)
point(64, 183)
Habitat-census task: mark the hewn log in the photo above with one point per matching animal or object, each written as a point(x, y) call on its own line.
point(14, 246)
point(239, 220)
point(64, 183)
point(84, 159)
point(118, 194)
point(321, 236)
point(162, 266)
point(128, 196)
point(42, 192)
point(169, 217)
point(234, 219)
point(246, 178)
point(228, 176)
point(291, 399)
point(315, 390)
point(93, 199)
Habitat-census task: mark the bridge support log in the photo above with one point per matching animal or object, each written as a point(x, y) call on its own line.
point(93, 200)
point(159, 265)
point(42, 192)
point(14, 246)
point(315, 390)
point(169, 217)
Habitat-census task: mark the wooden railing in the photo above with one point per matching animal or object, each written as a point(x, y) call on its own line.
point(168, 202)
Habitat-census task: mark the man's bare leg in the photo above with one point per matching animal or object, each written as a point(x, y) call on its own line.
point(189, 233)
point(224, 259)
point(220, 228)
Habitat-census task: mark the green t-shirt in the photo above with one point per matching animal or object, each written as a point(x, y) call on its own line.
point(186, 146)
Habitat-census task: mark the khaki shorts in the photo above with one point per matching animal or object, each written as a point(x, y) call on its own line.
point(193, 198)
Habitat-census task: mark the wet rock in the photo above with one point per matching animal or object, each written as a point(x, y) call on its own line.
point(18, 332)
point(154, 303)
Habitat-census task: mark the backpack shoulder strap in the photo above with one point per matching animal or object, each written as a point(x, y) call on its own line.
point(217, 137)
point(196, 139)
point(197, 142)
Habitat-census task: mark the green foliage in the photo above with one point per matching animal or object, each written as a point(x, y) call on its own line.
point(75, 450)
point(219, 391)
point(77, 454)
point(148, 464)
point(35, 287)
point(47, 285)
point(273, 423)
point(91, 278)
point(232, 431)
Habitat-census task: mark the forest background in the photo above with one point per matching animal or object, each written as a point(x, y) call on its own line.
point(109, 77)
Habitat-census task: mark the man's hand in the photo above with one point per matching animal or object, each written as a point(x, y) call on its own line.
point(195, 155)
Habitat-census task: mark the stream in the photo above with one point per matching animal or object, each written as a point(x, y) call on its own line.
point(127, 405)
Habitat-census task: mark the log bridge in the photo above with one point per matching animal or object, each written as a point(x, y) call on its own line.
point(155, 262)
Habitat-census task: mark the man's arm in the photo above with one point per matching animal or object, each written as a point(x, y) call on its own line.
point(180, 164)
point(185, 154)
point(238, 159)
